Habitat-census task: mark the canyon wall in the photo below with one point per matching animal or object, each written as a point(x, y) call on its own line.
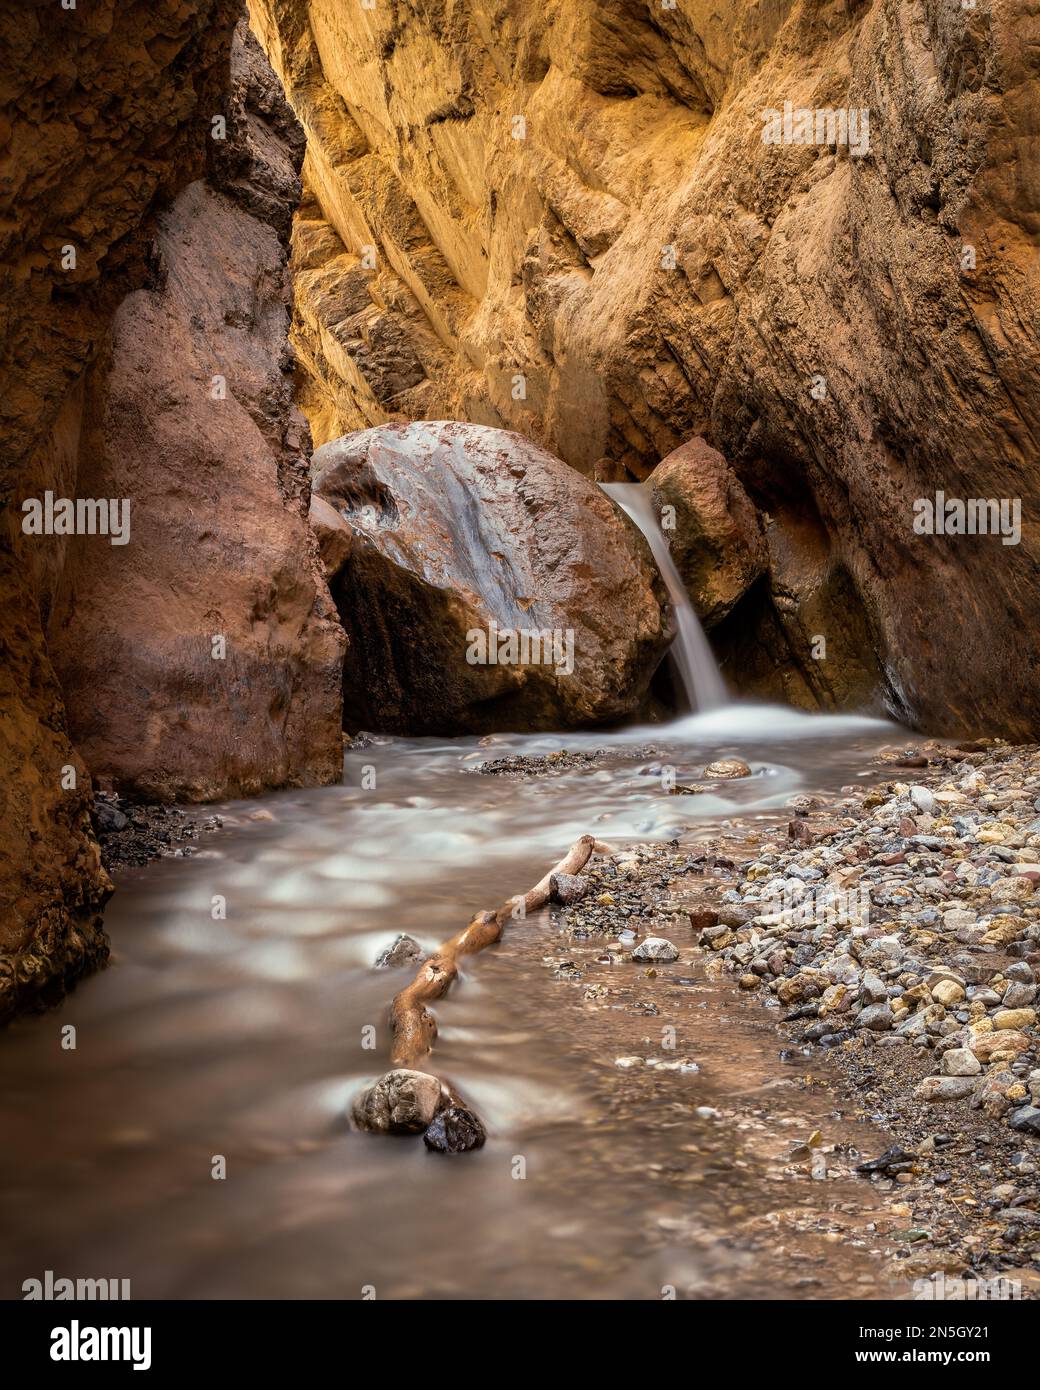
point(141, 258)
point(564, 219)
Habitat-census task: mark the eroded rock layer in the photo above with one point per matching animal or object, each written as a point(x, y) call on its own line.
point(203, 658)
point(564, 219)
point(115, 197)
point(98, 119)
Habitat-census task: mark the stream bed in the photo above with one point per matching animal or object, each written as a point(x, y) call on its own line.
point(244, 1036)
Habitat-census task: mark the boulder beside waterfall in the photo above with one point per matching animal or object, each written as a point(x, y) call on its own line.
point(489, 586)
point(716, 542)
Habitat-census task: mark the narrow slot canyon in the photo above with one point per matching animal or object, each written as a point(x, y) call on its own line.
point(570, 470)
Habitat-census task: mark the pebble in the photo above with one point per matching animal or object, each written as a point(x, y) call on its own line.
point(655, 948)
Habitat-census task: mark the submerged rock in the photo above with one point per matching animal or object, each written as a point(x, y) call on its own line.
point(727, 767)
point(490, 586)
point(455, 1130)
point(405, 950)
point(401, 1102)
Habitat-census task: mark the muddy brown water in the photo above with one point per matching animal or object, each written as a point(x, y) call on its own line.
point(244, 1037)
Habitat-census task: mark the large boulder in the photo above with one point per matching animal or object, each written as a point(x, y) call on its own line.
point(714, 533)
point(466, 538)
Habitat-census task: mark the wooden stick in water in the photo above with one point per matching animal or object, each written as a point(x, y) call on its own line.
point(414, 1027)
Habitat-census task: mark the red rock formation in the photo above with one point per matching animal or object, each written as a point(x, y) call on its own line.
point(203, 658)
point(105, 113)
point(99, 117)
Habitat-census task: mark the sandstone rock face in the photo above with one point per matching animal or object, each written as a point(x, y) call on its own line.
point(202, 659)
point(465, 540)
point(564, 219)
point(102, 110)
point(105, 116)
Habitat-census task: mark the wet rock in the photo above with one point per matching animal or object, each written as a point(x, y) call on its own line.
point(893, 1160)
point(655, 948)
point(727, 768)
point(401, 1102)
point(108, 818)
point(717, 545)
point(405, 950)
point(569, 888)
point(454, 1130)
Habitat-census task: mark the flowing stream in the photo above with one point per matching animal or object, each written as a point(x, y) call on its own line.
point(244, 1037)
point(237, 1019)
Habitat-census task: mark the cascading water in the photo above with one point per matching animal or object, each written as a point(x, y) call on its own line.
point(698, 671)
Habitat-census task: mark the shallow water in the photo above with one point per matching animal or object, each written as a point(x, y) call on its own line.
point(243, 1037)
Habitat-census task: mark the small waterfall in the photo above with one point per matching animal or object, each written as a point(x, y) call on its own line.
point(693, 657)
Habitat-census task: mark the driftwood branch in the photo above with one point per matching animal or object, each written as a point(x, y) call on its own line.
point(414, 1027)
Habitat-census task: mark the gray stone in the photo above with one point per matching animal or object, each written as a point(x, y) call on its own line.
point(655, 948)
point(876, 1017)
point(1026, 1120)
point(404, 951)
point(873, 989)
point(959, 1061)
point(569, 888)
point(945, 1088)
point(1018, 996)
